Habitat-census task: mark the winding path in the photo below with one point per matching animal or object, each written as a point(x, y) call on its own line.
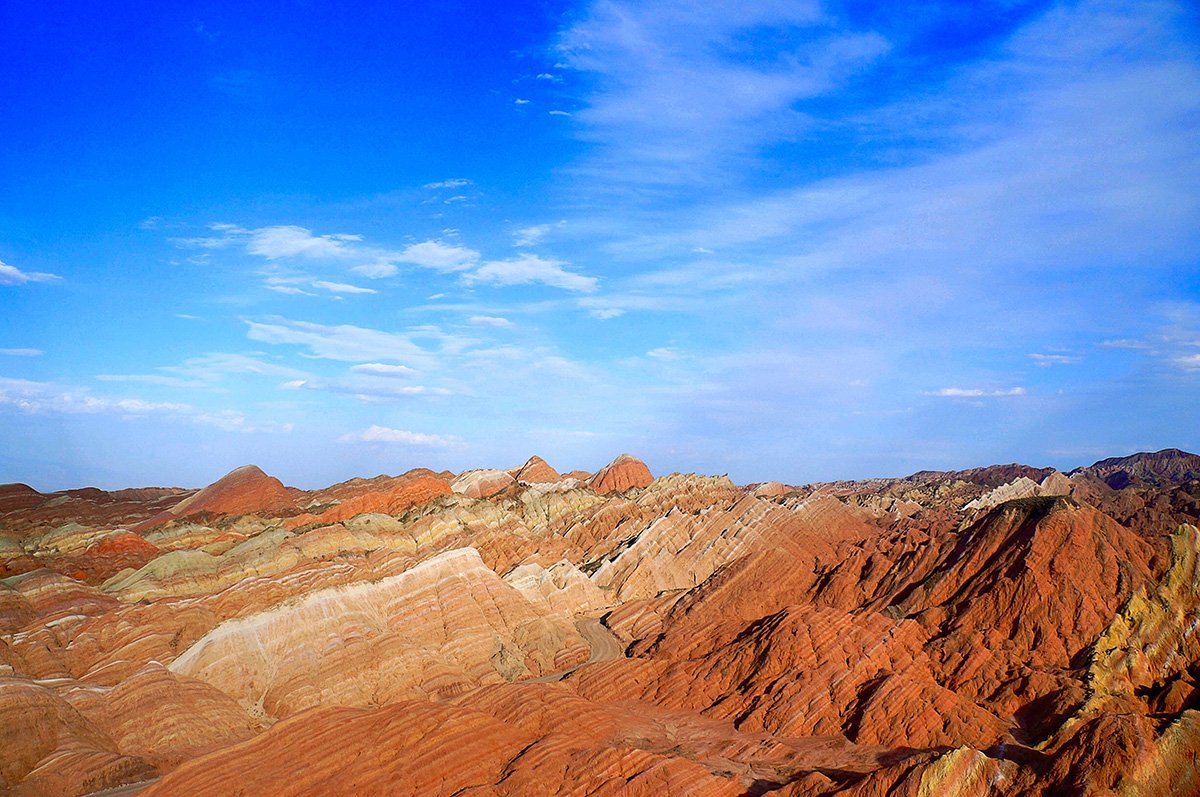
point(605, 647)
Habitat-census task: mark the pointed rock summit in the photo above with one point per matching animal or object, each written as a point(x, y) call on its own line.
point(623, 473)
point(243, 491)
point(536, 471)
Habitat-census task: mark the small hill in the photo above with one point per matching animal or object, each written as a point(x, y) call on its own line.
point(623, 473)
point(536, 471)
point(246, 490)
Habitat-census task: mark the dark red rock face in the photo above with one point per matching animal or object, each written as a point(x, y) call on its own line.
point(526, 633)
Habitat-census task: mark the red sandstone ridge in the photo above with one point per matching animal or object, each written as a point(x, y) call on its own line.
point(536, 471)
point(623, 473)
point(421, 490)
point(19, 496)
point(244, 491)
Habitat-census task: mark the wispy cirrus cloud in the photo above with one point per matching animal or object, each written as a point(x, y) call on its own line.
point(1047, 360)
point(454, 182)
point(384, 434)
point(11, 275)
point(49, 398)
point(527, 268)
point(341, 287)
point(381, 369)
point(22, 352)
point(678, 91)
point(974, 392)
point(284, 242)
point(208, 371)
point(344, 342)
point(528, 236)
point(490, 321)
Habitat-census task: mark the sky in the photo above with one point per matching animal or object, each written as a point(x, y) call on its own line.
point(792, 240)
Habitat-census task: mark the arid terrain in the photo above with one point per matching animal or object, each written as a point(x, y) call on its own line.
point(1001, 630)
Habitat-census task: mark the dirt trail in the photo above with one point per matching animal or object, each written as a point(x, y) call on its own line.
point(605, 647)
point(123, 791)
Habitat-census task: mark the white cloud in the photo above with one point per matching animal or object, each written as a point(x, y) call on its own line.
point(530, 235)
point(207, 371)
point(292, 241)
point(527, 268)
point(489, 321)
point(439, 256)
point(663, 353)
point(155, 379)
point(1189, 362)
point(550, 77)
point(234, 421)
point(290, 290)
point(381, 268)
point(11, 275)
point(559, 113)
point(1125, 343)
point(605, 313)
point(455, 182)
point(383, 434)
point(1046, 360)
point(49, 398)
point(340, 287)
point(379, 369)
point(22, 352)
point(521, 102)
point(344, 342)
point(958, 392)
point(680, 96)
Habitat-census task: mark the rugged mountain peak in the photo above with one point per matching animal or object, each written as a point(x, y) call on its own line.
point(242, 491)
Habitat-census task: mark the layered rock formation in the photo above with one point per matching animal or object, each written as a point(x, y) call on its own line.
point(242, 491)
point(623, 473)
point(1000, 630)
point(536, 471)
point(481, 483)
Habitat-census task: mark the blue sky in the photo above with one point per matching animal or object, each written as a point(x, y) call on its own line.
point(796, 241)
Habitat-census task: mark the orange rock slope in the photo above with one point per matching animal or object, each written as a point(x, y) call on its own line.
point(1002, 630)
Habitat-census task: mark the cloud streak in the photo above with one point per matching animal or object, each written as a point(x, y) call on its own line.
point(384, 434)
point(11, 275)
